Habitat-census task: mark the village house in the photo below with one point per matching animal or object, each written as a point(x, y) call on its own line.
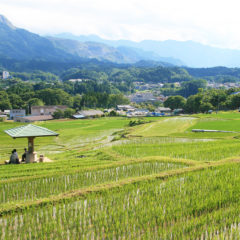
point(142, 97)
point(139, 113)
point(125, 108)
point(164, 110)
point(5, 75)
point(46, 110)
point(88, 114)
point(6, 112)
point(17, 113)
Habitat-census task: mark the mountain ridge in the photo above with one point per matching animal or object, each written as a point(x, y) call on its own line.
point(21, 44)
point(193, 54)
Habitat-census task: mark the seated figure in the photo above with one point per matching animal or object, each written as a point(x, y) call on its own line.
point(24, 155)
point(14, 157)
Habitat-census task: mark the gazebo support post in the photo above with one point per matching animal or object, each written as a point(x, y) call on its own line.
point(31, 156)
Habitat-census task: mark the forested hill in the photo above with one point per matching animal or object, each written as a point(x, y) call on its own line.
point(217, 74)
point(143, 71)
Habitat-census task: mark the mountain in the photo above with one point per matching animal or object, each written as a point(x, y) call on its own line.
point(19, 44)
point(138, 54)
point(193, 54)
point(103, 52)
point(90, 50)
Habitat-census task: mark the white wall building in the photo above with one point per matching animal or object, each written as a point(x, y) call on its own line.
point(5, 75)
point(17, 113)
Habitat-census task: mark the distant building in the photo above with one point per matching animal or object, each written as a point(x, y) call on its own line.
point(7, 112)
point(138, 113)
point(46, 110)
point(5, 75)
point(142, 111)
point(142, 97)
point(163, 110)
point(17, 113)
point(125, 108)
point(88, 114)
point(30, 118)
point(75, 80)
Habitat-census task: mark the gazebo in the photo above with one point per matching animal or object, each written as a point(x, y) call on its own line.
point(30, 131)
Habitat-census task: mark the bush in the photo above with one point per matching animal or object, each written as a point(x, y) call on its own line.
point(58, 114)
point(68, 112)
point(113, 113)
point(136, 122)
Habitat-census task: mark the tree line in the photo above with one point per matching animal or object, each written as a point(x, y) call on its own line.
point(203, 101)
point(24, 95)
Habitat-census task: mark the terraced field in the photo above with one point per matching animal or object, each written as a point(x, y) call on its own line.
point(158, 180)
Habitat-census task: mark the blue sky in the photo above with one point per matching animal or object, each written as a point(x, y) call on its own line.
point(210, 22)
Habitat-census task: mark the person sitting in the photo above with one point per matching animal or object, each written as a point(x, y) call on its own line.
point(14, 157)
point(24, 155)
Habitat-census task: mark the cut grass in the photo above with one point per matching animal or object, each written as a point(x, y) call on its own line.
point(163, 127)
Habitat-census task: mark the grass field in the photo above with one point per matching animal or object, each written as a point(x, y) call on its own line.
point(107, 180)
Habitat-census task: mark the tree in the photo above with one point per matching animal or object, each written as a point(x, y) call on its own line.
point(113, 113)
point(35, 102)
point(54, 97)
point(192, 87)
point(205, 107)
point(234, 101)
point(16, 101)
point(175, 102)
point(4, 101)
point(69, 112)
point(58, 114)
point(193, 103)
point(117, 99)
point(77, 102)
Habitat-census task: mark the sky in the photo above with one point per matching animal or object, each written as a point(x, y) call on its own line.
point(211, 22)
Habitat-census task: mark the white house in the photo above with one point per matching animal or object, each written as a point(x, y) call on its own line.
point(17, 113)
point(5, 75)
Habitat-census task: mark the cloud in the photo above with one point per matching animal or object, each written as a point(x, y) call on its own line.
point(210, 22)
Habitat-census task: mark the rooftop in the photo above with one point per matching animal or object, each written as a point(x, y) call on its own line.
point(90, 112)
point(38, 118)
point(30, 130)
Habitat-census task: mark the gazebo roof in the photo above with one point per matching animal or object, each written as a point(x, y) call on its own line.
point(30, 130)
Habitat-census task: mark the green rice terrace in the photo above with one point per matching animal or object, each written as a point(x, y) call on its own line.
point(108, 179)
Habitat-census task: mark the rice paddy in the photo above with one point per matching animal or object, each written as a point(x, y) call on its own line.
point(157, 181)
